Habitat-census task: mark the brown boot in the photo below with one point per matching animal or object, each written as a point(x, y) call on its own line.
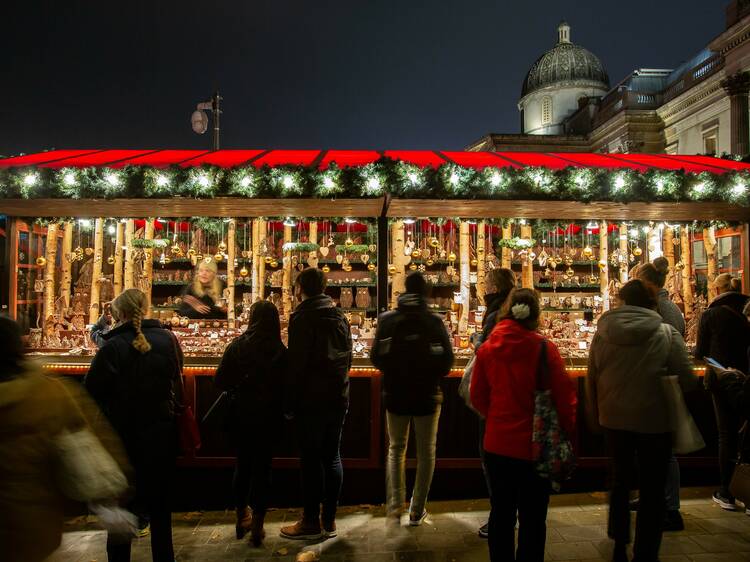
point(244, 521)
point(303, 530)
point(256, 530)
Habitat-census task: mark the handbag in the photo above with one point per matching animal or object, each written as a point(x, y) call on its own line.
point(686, 437)
point(187, 426)
point(739, 487)
point(552, 450)
point(464, 387)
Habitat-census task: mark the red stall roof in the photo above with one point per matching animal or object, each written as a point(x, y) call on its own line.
point(345, 158)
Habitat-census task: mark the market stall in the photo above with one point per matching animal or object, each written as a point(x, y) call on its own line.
point(81, 226)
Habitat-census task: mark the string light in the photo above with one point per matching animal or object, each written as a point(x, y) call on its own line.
point(287, 181)
point(69, 179)
point(162, 180)
point(739, 189)
point(112, 179)
point(30, 180)
point(246, 181)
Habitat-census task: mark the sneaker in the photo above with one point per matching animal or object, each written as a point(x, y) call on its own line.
point(484, 530)
point(673, 521)
point(417, 520)
point(143, 531)
point(329, 528)
point(302, 530)
point(726, 503)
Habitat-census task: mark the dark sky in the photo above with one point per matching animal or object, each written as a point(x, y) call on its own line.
point(307, 73)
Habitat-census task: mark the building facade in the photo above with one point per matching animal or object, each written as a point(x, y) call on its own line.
point(700, 107)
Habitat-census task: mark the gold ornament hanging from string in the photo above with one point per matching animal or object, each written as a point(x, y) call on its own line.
point(326, 269)
point(111, 260)
point(244, 271)
point(41, 260)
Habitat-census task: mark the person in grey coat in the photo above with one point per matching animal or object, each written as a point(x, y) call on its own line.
point(632, 350)
point(654, 275)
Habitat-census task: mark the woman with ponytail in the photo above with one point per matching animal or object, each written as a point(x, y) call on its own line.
point(134, 378)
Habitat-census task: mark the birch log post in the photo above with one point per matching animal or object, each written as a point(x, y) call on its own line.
point(527, 265)
point(49, 269)
point(709, 242)
point(624, 253)
point(312, 235)
point(506, 252)
point(231, 256)
point(286, 284)
point(604, 264)
point(687, 269)
point(256, 259)
point(464, 242)
point(129, 255)
point(399, 261)
point(148, 264)
point(262, 235)
point(669, 256)
point(66, 280)
point(119, 242)
point(96, 271)
point(654, 243)
point(481, 253)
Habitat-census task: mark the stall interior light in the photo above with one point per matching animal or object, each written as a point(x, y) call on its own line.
point(634, 232)
point(592, 225)
point(739, 189)
point(86, 223)
point(522, 222)
point(111, 229)
point(645, 229)
point(409, 221)
point(289, 222)
point(349, 220)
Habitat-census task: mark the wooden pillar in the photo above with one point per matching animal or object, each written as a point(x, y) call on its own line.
point(148, 263)
point(506, 252)
point(399, 261)
point(96, 270)
point(119, 242)
point(257, 258)
point(312, 235)
point(527, 265)
point(231, 255)
point(669, 256)
point(66, 278)
point(687, 270)
point(604, 264)
point(262, 235)
point(624, 254)
point(49, 269)
point(481, 252)
point(286, 285)
point(464, 242)
point(709, 242)
point(129, 257)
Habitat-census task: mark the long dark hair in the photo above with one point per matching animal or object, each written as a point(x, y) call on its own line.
point(264, 322)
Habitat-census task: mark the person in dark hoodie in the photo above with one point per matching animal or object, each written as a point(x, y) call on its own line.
point(134, 378)
point(724, 335)
point(316, 395)
point(250, 372)
point(414, 352)
point(630, 353)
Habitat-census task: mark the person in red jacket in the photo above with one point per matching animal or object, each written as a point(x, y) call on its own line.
point(502, 390)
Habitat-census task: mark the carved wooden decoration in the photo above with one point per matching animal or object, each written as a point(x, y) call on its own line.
point(96, 271)
point(49, 270)
point(231, 255)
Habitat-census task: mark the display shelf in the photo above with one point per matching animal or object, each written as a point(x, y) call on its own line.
point(569, 288)
point(170, 283)
point(355, 309)
point(368, 284)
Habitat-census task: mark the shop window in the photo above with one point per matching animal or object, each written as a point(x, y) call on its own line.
point(710, 144)
point(546, 110)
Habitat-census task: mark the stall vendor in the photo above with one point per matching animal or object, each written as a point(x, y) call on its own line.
point(201, 298)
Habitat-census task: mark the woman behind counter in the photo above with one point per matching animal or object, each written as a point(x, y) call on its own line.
point(200, 298)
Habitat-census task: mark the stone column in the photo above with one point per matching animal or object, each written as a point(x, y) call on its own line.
point(737, 87)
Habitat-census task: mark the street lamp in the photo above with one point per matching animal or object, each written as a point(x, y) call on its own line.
point(199, 119)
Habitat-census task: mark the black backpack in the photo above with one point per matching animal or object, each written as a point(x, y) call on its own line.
point(413, 341)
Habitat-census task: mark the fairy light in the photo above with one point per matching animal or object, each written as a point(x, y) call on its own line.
point(289, 222)
point(30, 179)
point(162, 180)
point(496, 179)
point(413, 178)
point(453, 179)
point(739, 189)
point(328, 182)
point(245, 181)
point(287, 181)
point(699, 189)
point(112, 179)
point(619, 183)
point(373, 184)
point(203, 180)
point(69, 179)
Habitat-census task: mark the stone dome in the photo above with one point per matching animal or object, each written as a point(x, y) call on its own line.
point(565, 63)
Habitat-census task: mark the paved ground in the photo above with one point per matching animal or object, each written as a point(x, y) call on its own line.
point(576, 531)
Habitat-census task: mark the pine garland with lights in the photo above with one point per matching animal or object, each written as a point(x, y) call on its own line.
point(399, 179)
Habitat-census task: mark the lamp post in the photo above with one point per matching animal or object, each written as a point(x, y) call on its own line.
point(199, 119)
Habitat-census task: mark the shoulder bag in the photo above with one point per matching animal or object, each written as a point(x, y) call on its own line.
point(187, 425)
point(552, 450)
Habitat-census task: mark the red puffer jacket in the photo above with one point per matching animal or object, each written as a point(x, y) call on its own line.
point(503, 385)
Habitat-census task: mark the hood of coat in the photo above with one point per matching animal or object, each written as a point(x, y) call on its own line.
point(127, 327)
point(322, 304)
point(509, 338)
point(731, 299)
point(628, 325)
point(411, 302)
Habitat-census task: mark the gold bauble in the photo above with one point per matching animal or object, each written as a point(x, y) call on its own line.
point(637, 251)
point(413, 267)
point(371, 267)
point(345, 261)
point(218, 256)
point(192, 252)
point(176, 250)
point(339, 258)
point(222, 246)
point(167, 259)
point(552, 263)
point(346, 268)
point(41, 260)
point(452, 256)
point(434, 242)
point(89, 251)
point(364, 258)
point(569, 272)
point(547, 272)
point(474, 262)
point(391, 269)
point(111, 260)
point(325, 269)
point(568, 261)
point(430, 261)
point(244, 271)
point(679, 266)
point(602, 265)
point(588, 251)
point(198, 258)
point(416, 254)
point(348, 242)
point(274, 263)
point(268, 259)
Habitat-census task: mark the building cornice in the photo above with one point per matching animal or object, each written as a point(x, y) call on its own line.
point(732, 38)
point(688, 99)
point(553, 88)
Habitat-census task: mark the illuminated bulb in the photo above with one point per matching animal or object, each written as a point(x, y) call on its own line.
point(203, 180)
point(522, 222)
point(30, 179)
point(245, 181)
point(111, 229)
point(162, 180)
point(84, 223)
point(659, 186)
point(619, 182)
point(373, 184)
point(350, 221)
point(634, 232)
point(409, 221)
point(495, 179)
point(645, 230)
point(288, 182)
point(328, 183)
point(700, 189)
point(739, 189)
point(413, 178)
point(453, 179)
point(69, 179)
point(112, 179)
point(289, 222)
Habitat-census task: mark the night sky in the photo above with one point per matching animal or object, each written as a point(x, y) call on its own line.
point(308, 73)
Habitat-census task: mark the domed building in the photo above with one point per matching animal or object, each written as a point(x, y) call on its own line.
point(555, 84)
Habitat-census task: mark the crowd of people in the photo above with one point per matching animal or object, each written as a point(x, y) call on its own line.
point(135, 383)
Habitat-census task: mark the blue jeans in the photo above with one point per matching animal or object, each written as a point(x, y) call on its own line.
point(320, 459)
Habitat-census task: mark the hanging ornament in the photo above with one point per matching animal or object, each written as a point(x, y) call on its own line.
point(339, 258)
point(268, 259)
point(324, 251)
point(167, 259)
point(312, 259)
point(218, 256)
point(244, 271)
point(371, 267)
point(429, 261)
point(79, 253)
point(192, 252)
point(450, 270)
point(372, 248)
point(434, 242)
point(421, 268)
point(222, 246)
point(111, 260)
point(89, 251)
point(413, 267)
point(41, 260)
point(198, 258)
point(346, 268)
point(274, 263)
point(348, 242)
point(568, 261)
point(547, 272)
point(637, 251)
point(543, 257)
point(569, 272)
point(632, 258)
point(326, 269)
point(602, 265)
point(588, 252)
point(474, 262)
point(532, 256)
point(679, 266)
point(176, 250)
point(300, 266)
point(416, 254)
point(391, 269)
point(364, 258)
point(452, 257)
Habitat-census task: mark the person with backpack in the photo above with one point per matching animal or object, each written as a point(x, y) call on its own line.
point(724, 335)
point(134, 378)
point(249, 372)
point(631, 353)
point(316, 396)
point(503, 390)
point(413, 351)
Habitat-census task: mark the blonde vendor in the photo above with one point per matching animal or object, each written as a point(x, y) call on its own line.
point(201, 299)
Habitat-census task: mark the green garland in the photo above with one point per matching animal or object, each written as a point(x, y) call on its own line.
point(399, 179)
point(353, 249)
point(300, 247)
point(144, 243)
point(516, 243)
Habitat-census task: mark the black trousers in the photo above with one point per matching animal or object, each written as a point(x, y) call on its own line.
point(652, 452)
point(516, 491)
point(728, 424)
point(153, 457)
point(252, 472)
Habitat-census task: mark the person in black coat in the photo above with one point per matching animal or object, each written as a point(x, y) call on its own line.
point(414, 352)
point(316, 396)
point(724, 335)
point(134, 377)
point(251, 372)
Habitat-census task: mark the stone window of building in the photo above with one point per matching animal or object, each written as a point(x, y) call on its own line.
point(710, 143)
point(546, 110)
